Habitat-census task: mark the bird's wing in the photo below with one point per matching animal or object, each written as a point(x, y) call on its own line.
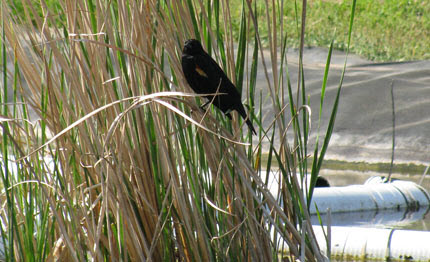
point(200, 71)
point(196, 76)
point(218, 80)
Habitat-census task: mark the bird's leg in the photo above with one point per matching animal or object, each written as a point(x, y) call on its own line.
point(227, 113)
point(204, 105)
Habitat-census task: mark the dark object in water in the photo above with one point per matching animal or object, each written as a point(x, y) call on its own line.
point(322, 182)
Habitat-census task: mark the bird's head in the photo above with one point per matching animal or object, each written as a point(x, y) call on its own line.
point(192, 47)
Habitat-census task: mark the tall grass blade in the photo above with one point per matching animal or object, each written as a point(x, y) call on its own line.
point(336, 101)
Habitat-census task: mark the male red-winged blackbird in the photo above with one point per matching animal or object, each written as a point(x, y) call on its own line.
point(205, 76)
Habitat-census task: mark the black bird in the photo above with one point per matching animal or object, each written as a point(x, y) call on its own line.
point(205, 76)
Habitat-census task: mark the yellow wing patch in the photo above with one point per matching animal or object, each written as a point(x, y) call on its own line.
point(200, 71)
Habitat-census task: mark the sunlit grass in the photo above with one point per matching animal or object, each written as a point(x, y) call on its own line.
point(389, 30)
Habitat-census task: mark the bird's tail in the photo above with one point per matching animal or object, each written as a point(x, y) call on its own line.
point(242, 113)
point(249, 123)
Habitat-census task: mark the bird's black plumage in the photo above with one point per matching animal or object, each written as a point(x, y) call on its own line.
point(205, 76)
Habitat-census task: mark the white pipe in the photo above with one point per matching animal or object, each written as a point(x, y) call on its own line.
point(355, 243)
point(374, 218)
point(396, 195)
